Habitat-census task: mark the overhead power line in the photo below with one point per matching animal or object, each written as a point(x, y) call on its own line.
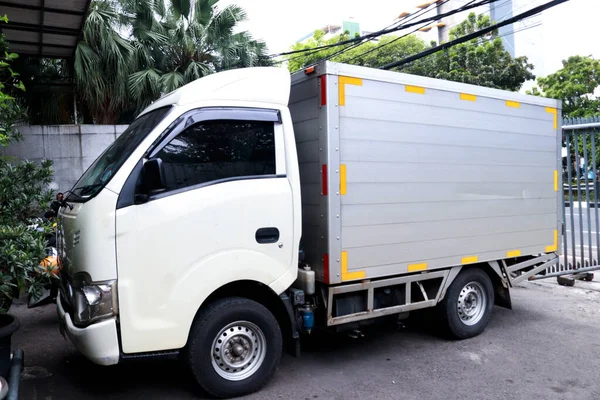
point(403, 20)
point(481, 32)
point(396, 39)
point(355, 45)
point(385, 31)
point(314, 50)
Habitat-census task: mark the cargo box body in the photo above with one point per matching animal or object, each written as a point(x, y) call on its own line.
point(402, 173)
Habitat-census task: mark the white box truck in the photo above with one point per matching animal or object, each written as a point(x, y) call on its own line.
point(247, 208)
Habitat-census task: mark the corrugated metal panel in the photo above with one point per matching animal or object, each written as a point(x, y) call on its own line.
point(445, 99)
point(307, 130)
point(370, 150)
point(442, 135)
point(374, 193)
point(375, 235)
point(304, 108)
point(460, 246)
point(308, 152)
point(389, 172)
point(381, 214)
point(436, 178)
point(385, 110)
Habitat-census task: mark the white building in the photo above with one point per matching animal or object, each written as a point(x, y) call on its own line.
point(335, 29)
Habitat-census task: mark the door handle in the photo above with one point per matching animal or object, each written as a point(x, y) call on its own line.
point(267, 235)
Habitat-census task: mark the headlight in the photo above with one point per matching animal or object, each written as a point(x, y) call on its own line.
point(92, 301)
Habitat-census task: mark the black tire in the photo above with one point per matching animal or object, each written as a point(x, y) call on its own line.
point(209, 324)
point(455, 326)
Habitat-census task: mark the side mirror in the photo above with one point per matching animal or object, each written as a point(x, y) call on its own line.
point(153, 176)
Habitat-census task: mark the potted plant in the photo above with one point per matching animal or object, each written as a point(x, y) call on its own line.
point(24, 196)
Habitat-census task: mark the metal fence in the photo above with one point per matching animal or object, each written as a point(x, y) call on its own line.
point(581, 189)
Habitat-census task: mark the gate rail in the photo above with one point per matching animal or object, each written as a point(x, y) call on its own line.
point(581, 189)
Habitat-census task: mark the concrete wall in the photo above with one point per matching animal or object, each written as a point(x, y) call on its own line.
point(72, 148)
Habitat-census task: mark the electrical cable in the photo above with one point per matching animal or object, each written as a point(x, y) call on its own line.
point(393, 41)
point(466, 38)
point(385, 44)
point(437, 18)
point(406, 18)
point(384, 31)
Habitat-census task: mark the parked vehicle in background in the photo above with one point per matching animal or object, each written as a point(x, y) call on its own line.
point(406, 193)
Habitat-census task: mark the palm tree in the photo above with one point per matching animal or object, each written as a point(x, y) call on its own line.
point(133, 51)
point(103, 63)
point(184, 42)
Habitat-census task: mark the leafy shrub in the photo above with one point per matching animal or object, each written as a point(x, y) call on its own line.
point(24, 196)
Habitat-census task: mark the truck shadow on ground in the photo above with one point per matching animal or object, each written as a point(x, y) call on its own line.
point(168, 378)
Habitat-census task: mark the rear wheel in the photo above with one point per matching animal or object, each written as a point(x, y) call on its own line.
point(467, 307)
point(234, 347)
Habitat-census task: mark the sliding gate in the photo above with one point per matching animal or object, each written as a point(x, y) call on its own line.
point(580, 245)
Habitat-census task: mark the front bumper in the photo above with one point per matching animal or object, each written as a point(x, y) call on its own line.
point(98, 342)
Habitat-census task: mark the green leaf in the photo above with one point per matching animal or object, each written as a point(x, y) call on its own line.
point(182, 7)
point(20, 86)
point(4, 18)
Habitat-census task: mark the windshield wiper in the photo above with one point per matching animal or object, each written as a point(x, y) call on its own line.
point(83, 190)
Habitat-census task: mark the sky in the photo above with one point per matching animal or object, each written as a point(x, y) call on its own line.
point(565, 30)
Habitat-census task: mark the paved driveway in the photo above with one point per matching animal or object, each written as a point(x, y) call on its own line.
point(547, 347)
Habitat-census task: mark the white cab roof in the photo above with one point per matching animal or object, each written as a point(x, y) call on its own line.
point(257, 84)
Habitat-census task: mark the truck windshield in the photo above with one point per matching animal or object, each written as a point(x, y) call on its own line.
point(109, 162)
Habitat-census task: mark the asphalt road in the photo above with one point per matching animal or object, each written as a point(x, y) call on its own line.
point(547, 347)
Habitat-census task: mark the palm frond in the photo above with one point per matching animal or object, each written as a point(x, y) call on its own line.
point(171, 81)
point(144, 86)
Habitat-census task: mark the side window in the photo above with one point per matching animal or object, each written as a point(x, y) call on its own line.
point(215, 150)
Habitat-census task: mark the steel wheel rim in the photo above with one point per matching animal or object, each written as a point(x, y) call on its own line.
point(238, 350)
point(471, 303)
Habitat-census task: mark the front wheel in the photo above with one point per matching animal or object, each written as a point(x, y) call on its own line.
point(234, 347)
point(467, 307)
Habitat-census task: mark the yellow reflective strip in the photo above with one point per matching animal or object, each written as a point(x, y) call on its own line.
point(349, 276)
point(417, 267)
point(415, 89)
point(468, 97)
point(554, 111)
point(554, 247)
point(513, 104)
point(344, 262)
point(470, 259)
point(342, 179)
point(513, 253)
point(555, 180)
point(342, 82)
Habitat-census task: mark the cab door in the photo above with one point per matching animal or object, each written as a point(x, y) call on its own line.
point(224, 214)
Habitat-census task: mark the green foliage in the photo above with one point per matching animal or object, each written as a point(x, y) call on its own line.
point(102, 63)
point(387, 49)
point(574, 84)
point(168, 43)
point(23, 196)
point(482, 61)
point(9, 81)
point(49, 96)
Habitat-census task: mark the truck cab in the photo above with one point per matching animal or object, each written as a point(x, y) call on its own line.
point(199, 198)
